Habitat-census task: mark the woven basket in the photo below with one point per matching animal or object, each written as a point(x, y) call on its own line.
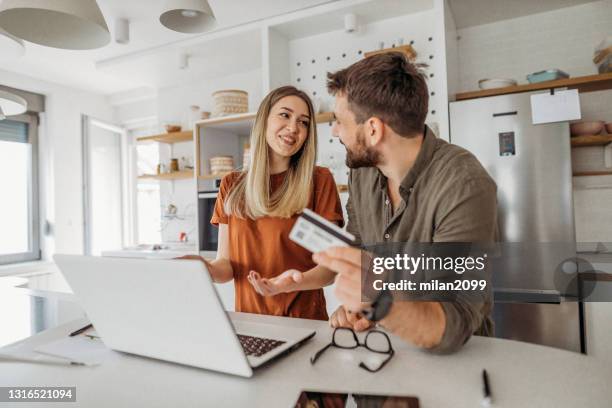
point(221, 164)
point(230, 102)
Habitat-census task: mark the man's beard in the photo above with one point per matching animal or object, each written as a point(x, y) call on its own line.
point(361, 155)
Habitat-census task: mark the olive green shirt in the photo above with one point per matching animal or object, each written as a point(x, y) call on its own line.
point(447, 196)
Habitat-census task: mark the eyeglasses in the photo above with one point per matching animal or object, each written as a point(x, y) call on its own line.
point(345, 338)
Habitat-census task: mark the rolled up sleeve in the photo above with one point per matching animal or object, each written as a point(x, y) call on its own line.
point(470, 216)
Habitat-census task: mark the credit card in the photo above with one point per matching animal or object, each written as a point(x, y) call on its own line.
point(316, 234)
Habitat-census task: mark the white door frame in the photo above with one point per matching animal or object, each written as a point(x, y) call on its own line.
point(128, 200)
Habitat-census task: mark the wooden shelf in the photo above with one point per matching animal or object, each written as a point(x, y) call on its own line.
point(228, 119)
point(241, 117)
point(591, 140)
point(212, 176)
point(587, 83)
point(177, 175)
point(592, 173)
point(174, 137)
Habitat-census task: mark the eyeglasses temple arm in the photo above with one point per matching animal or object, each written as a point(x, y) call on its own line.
point(314, 358)
point(365, 367)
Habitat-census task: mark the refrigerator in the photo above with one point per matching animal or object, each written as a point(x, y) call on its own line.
point(535, 300)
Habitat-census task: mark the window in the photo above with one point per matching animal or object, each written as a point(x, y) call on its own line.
point(19, 222)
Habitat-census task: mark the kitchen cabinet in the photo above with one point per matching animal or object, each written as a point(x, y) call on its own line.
point(169, 139)
point(227, 136)
point(170, 191)
point(222, 136)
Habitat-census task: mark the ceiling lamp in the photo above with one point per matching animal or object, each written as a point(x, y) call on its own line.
point(67, 24)
point(11, 104)
point(187, 16)
point(10, 46)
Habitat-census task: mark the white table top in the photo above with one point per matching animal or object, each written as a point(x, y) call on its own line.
point(521, 375)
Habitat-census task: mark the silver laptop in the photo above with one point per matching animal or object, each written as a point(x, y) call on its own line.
point(170, 310)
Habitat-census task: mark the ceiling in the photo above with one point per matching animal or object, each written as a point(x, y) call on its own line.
point(77, 69)
point(469, 13)
point(111, 69)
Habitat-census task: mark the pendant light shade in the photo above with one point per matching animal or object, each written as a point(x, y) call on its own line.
point(67, 24)
point(11, 104)
point(10, 46)
point(187, 16)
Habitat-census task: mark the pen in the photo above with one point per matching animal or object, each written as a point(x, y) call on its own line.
point(81, 330)
point(486, 390)
point(6, 357)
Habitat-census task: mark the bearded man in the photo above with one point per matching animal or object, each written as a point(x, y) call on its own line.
point(405, 185)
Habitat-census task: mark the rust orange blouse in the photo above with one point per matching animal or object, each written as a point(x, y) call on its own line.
point(263, 245)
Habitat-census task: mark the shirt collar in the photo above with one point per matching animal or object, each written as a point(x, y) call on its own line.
point(423, 159)
point(426, 153)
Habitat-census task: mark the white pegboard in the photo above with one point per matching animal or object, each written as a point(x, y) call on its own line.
point(311, 58)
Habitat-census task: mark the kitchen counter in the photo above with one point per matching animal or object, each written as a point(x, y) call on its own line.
point(161, 251)
point(520, 374)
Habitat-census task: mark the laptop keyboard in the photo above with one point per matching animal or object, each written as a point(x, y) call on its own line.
point(258, 346)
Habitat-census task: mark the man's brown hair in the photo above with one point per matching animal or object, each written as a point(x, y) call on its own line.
point(387, 86)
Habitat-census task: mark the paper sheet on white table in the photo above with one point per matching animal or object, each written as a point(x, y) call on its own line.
point(81, 349)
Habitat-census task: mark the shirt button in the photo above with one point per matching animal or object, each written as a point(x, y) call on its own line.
point(411, 189)
point(387, 236)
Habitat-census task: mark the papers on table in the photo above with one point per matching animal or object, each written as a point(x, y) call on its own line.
point(84, 349)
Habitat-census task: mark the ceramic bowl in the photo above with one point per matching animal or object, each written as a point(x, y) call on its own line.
point(172, 128)
point(590, 127)
point(495, 83)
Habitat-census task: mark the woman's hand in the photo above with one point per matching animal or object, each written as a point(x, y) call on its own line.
point(220, 269)
point(196, 257)
point(288, 281)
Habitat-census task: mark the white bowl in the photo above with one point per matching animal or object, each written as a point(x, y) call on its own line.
point(495, 83)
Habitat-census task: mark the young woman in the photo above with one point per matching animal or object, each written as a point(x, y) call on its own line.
point(256, 209)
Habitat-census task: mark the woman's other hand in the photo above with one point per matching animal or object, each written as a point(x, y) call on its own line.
point(220, 269)
point(197, 257)
point(288, 281)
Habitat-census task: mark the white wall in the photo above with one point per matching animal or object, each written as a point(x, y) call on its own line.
point(60, 146)
point(127, 114)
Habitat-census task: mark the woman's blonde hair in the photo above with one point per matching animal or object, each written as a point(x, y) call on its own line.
point(250, 197)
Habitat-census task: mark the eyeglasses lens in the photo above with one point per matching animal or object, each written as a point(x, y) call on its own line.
point(344, 338)
point(377, 341)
